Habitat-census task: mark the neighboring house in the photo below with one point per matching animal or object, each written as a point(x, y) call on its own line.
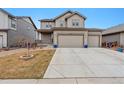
point(15, 29)
point(114, 34)
point(7, 23)
point(25, 31)
point(68, 30)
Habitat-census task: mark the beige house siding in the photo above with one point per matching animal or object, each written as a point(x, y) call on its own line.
point(77, 17)
point(94, 33)
point(58, 21)
point(43, 24)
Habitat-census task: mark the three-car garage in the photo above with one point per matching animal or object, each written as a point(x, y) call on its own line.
point(77, 39)
point(72, 41)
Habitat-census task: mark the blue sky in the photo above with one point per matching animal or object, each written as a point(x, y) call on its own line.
point(96, 17)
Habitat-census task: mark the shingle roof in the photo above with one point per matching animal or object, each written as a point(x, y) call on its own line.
point(115, 29)
point(72, 13)
point(47, 20)
point(63, 14)
point(76, 13)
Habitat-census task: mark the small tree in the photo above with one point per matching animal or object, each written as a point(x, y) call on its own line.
point(27, 48)
point(28, 44)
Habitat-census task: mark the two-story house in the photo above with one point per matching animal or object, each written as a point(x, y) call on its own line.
point(68, 30)
point(15, 29)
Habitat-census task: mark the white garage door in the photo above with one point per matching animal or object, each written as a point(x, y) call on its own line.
point(93, 41)
point(70, 41)
point(1, 41)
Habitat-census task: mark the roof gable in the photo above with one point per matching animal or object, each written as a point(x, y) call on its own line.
point(63, 15)
point(28, 18)
point(76, 14)
point(72, 14)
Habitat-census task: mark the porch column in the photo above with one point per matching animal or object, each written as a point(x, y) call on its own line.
point(86, 38)
point(55, 44)
point(39, 36)
point(100, 40)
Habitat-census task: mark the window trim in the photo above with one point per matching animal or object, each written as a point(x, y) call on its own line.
point(75, 22)
point(13, 25)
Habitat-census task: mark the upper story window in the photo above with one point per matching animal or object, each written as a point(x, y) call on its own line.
point(75, 22)
point(48, 26)
point(13, 23)
point(61, 23)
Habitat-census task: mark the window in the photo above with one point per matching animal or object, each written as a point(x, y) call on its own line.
point(61, 23)
point(75, 22)
point(47, 26)
point(13, 23)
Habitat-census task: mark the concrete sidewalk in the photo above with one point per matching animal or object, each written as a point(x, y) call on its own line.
point(65, 81)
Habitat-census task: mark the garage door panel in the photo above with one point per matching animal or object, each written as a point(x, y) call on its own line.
point(70, 41)
point(93, 41)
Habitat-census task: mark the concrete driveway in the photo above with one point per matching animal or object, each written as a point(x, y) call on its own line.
point(86, 63)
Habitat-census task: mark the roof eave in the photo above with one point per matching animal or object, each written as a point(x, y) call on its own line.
point(9, 14)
